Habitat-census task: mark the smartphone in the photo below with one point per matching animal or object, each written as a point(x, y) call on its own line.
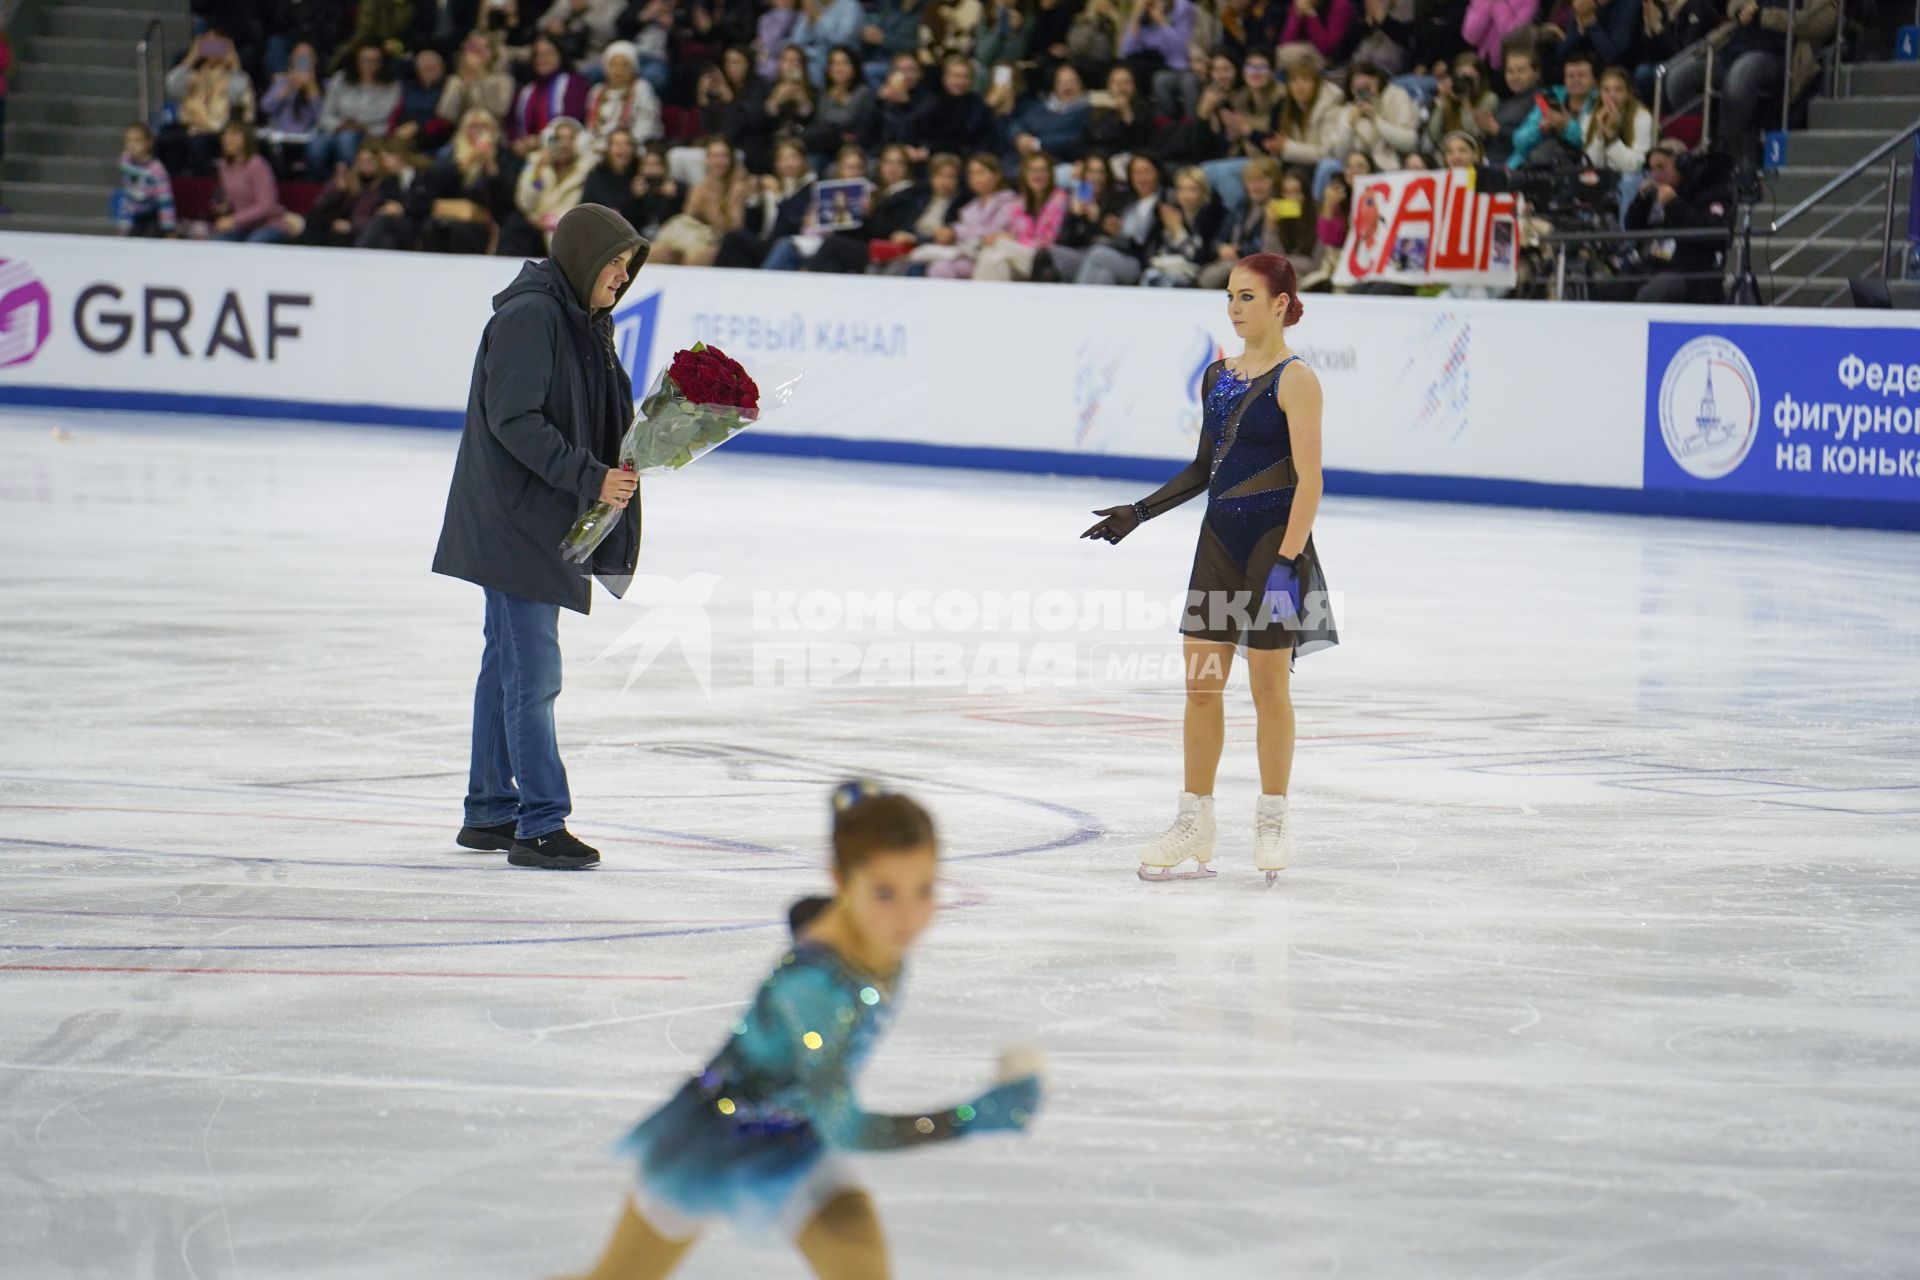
point(1279, 208)
point(1084, 192)
point(1002, 77)
point(1540, 101)
point(303, 62)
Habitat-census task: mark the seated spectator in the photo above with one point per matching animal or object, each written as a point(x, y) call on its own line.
point(1251, 228)
point(1251, 26)
point(514, 31)
point(359, 104)
point(731, 99)
point(1461, 150)
point(1336, 216)
point(1208, 137)
point(1189, 228)
point(844, 113)
point(1686, 193)
point(1294, 223)
point(1002, 39)
point(549, 185)
point(773, 33)
point(622, 100)
point(1309, 126)
point(789, 105)
point(439, 24)
point(211, 49)
point(648, 24)
point(1432, 36)
point(716, 205)
point(1604, 29)
point(1093, 40)
point(292, 23)
point(1314, 27)
point(1619, 134)
point(405, 200)
point(418, 122)
point(899, 100)
point(582, 28)
point(954, 118)
point(290, 111)
point(143, 205)
point(1039, 215)
point(892, 31)
point(1491, 25)
point(1561, 130)
point(611, 181)
point(1751, 57)
point(249, 193)
point(1462, 103)
point(1118, 254)
point(1057, 123)
point(348, 202)
point(950, 29)
point(472, 195)
point(1520, 73)
point(824, 25)
point(1245, 123)
point(657, 196)
point(989, 211)
point(206, 111)
point(934, 223)
point(554, 92)
point(794, 251)
point(1094, 207)
point(778, 208)
point(1383, 37)
point(896, 202)
point(1667, 29)
point(377, 23)
point(1123, 126)
point(1155, 44)
point(478, 80)
point(1379, 119)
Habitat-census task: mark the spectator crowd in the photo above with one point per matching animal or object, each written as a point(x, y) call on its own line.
point(1143, 142)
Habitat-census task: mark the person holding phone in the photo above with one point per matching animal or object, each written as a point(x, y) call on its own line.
point(1253, 227)
point(1157, 44)
point(1462, 103)
point(1558, 113)
point(1056, 124)
point(290, 111)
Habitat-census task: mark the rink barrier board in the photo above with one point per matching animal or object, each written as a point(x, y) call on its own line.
point(1710, 412)
point(1340, 482)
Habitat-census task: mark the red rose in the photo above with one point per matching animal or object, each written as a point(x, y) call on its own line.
point(711, 377)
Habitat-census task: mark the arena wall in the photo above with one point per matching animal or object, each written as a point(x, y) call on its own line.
point(1792, 415)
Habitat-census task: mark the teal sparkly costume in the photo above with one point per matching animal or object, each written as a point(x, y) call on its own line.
point(754, 1139)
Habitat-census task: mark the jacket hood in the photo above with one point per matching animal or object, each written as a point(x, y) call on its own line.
point(590, 236)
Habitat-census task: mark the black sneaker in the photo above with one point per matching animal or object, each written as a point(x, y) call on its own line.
point(486, 839)
point(554, 851)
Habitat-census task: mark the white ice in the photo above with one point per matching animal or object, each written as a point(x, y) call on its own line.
point(1601, 956)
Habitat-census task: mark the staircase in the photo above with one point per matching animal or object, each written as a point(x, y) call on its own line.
point(74, 89)
point(1881, 98)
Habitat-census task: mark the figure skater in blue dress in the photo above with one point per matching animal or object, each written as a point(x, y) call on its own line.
point(757, 1139)
point(1257, 581)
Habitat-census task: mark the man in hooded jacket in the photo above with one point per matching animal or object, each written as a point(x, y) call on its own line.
point(548, 404)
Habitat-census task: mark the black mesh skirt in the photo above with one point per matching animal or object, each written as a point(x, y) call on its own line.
point(1226, 599)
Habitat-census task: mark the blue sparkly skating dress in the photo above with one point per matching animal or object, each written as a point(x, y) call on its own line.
point(756, 1138)
point(1245, 467)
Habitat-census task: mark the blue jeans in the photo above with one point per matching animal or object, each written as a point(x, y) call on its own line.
point(516, 774)
point(1224, 176)
point(265, 233)
point(784, 256)
point(325, 150)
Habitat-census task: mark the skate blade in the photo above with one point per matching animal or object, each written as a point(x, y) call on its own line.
point(1155, 875)
point(1273, 878)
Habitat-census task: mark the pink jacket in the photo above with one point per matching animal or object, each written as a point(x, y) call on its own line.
point(1043, 228)
point(984, 215)
point(1325, 30)
point(1490, 22)
point(252, 193)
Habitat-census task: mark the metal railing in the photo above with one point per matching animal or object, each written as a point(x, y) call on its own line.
point(1704, 101)
point(1562, 241)
point(1889, 151)
point(150, 61)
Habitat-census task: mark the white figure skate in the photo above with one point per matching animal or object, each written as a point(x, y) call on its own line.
point(1190, 838)
point(1272, 837)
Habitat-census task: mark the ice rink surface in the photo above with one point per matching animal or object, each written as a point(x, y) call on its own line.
point(1600, 957)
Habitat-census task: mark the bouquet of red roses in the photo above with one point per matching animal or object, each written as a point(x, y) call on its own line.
point(701, 400)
